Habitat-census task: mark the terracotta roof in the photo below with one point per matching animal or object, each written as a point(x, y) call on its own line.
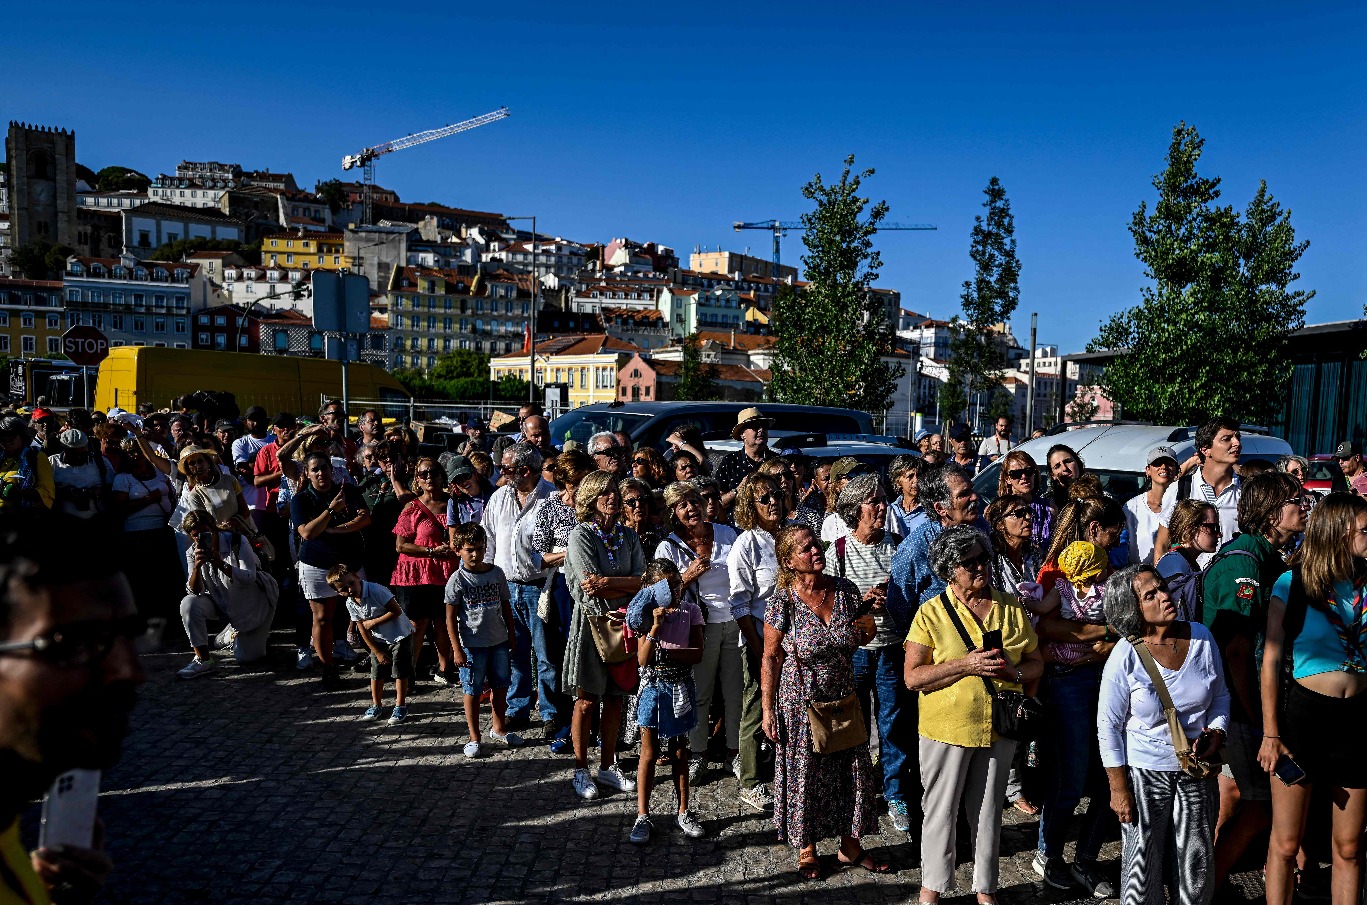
point(287, 316)
point(592, 344)
point(747, 342)
point(735, 373)
point(170, 266)
point(379, 321)
point(16, 283)
point(180, 212)
point(633, 314)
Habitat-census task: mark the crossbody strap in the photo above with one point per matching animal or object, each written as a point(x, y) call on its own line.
point(1180, 744)
point(968, 642)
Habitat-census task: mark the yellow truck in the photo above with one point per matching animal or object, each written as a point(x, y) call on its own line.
point(281, 383)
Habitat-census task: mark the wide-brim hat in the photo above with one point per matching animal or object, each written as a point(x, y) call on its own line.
point(190, 452)
point(751, 417)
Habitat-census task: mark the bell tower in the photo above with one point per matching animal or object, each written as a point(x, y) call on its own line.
point(42, 184)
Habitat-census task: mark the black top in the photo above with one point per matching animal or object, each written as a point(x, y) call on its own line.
point(327, 550)
point(737, 465)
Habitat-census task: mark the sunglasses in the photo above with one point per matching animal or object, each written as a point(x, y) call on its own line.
point(640, 461)
point(424, 474)
point(634, 502)
point(1303, 502)
point(977, 562)
point(1016, 474)
point(767, 500)
point(87, 643)
point(1020, 513)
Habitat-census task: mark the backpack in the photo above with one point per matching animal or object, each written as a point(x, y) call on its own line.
point(1188, 589)
point(1184, 486)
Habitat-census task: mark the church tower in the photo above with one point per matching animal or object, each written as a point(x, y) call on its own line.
point(42, 184)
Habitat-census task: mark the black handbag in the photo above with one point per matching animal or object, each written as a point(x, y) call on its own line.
point(1015, 715)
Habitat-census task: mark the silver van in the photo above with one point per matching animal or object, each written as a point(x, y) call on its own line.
point(649, 423)
point(1115, 454)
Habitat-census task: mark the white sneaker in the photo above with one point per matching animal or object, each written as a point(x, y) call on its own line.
point(759, 798)
point(512, 739)
point(690, 826)
point(196, 668)
point(342, 652)
point(226, 639)
point(614, 778)
point(584, 786)
point(472, 749)
point(304, 658)
point(735, 767)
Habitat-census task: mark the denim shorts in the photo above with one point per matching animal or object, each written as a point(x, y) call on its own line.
point(486, 664)
point(655, 709)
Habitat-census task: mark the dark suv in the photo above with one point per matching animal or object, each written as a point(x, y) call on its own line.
point(651, 422)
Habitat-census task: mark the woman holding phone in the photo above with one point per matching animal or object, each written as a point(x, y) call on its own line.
point(1315, 727)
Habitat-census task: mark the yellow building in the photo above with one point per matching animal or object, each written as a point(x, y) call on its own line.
point(32, 318)
point(588, 364)
point(311, 251)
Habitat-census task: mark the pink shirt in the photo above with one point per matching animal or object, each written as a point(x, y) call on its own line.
point(427, 529)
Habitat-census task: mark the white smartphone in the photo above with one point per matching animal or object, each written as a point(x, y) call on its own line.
point(69, 810)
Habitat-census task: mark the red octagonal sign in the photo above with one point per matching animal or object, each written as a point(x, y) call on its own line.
point(85, 346)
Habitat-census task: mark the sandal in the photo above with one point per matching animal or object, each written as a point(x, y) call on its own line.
point(864, 861)
point(1025, 807)
point(809, 869)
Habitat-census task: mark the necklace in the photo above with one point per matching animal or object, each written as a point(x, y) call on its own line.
point(612, 542)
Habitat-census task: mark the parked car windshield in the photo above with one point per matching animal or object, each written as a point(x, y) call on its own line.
point(580, 424)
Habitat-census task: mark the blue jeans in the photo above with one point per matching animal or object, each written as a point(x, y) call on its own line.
point(878, 671)
point(1071, 762)
point(533, 669)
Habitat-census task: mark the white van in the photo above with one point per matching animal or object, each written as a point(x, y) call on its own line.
point(1115, 453)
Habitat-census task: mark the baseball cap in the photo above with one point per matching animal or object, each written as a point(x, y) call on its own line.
point(226, 424)
point(959, 433)
point(477, 424)
point(256, 413)
point(284, 419)
point(921, 435)
point(1161, 452)
point(458, 469)
point(74, 438)
point(1347, 449)
point(126, 418)
point(40, 414)
point(842, 467)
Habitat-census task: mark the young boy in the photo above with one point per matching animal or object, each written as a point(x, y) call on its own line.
point(669, 645)
point(386, 631)
point(478, 617)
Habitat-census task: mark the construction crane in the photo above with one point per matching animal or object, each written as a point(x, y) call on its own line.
point(780, 229)
point(366, 159)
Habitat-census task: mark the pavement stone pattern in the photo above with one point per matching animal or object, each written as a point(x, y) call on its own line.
point(252, 784)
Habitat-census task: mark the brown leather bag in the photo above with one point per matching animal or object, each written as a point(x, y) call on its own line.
point(1192, 765)
point(610, 637)
point(835, 725)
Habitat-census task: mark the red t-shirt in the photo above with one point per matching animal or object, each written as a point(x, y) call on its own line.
point(267, 461)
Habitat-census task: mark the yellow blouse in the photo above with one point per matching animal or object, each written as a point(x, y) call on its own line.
point(962, 713)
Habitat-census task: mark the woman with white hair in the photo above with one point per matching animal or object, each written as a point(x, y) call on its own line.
point(700, 549)
point(864, 557)
point(1157, 791)
point(958, 673)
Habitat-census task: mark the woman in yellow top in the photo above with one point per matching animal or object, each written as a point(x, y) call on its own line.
point(962, 759)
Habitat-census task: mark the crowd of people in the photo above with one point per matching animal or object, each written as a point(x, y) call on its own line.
point(841, 639)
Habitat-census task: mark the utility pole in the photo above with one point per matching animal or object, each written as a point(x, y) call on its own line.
point(1030, 385)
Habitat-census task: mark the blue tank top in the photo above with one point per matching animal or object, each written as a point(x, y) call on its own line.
point(1318, 648)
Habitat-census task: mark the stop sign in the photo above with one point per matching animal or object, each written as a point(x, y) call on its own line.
point(85, 345)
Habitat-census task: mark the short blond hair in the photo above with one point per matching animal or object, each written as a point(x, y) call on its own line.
point(590, 489)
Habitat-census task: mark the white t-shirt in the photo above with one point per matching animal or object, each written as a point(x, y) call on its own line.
point(85, 477)
point(245, 449)
point(373, 603)
point(1143, 525)
point(148, 517)
point(994, 447)
point(714, 585)
point(1226, 507)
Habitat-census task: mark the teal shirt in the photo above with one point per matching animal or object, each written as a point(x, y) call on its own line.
point(1318, 648)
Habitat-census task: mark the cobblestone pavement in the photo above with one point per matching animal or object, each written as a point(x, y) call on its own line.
point(254, 785)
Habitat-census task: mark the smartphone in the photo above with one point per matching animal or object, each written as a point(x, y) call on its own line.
point(69, 810)
point(993, 640)
point(1289, 772)
point(862, 610)
point(204, 542)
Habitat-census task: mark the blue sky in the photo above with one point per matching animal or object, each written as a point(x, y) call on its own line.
point(667, 124)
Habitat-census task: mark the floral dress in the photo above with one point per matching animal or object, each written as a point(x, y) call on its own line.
point(818, 796)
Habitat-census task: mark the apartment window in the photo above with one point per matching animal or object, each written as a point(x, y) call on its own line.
point(181, 346)
point(99, 321)
point(144, 238)
point(4, 318)
point(281, 340)
point(54, 321)
point(160, 345)
point(242, 340)
point(398, 322)
point(446, 324)
point(139, 300)
point(646, 390)
point(29, 345)
point(203, 339)
point(26, 320)
point(220, 341)
point(431, 303)
point(431, 344)
point(399, 302)
point(431, 361)
point(4, 342)
point(159, 302)
point(220, 320)
point(448, 304)
point(54, 345)
point(158, 325)
point(413, 360)
point(446, 344)
point(315, 342)
point(289, 259)
point(180, 325)
point(73, 295)
point(181, 302)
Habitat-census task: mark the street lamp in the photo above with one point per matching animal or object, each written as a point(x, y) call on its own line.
point(531, 323)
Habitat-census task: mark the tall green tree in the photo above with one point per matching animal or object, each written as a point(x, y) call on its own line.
point(40, 260)
point(333, 195)
point(117, 179)
point(1210, 336)
point(831, 335)
point(977, 360)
